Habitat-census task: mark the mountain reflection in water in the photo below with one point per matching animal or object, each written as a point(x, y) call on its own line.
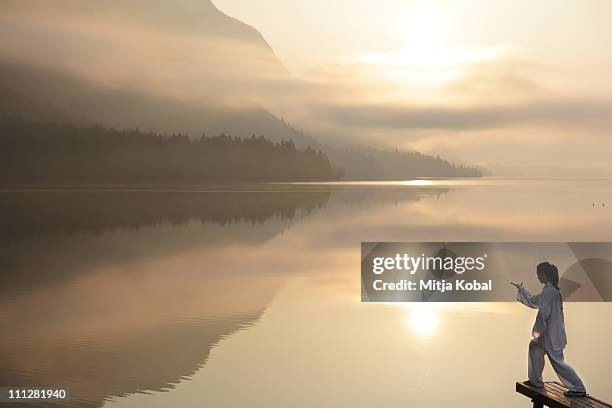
point(113, 292)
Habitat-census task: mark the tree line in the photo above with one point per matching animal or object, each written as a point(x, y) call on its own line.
point(376, 164)
point(35, 152)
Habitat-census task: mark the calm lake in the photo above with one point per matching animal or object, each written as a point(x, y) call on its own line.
point(249, 295)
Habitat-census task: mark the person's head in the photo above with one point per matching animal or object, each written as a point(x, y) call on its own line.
point(548, 272)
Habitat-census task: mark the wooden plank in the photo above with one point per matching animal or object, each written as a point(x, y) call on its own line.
point(588, 400)
point(552, 396)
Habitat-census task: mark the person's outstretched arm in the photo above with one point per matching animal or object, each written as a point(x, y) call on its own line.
point(526, 298)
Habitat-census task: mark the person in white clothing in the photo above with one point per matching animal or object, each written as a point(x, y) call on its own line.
point(548, 332)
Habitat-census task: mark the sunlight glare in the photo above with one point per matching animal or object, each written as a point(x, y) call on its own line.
point(417, 182)
point(424, 321)
point(425, 27)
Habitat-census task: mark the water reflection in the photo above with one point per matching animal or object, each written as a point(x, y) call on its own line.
point(50, 235)
point(116, 292)
point(251, 296)
point(111, 293)
point(423, 319)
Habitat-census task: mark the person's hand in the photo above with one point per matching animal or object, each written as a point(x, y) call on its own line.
point(517, 285)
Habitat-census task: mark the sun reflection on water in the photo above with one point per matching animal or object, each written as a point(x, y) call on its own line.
point(417, 182)
point(424, 320)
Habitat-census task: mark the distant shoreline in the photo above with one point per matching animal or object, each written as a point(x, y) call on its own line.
point(272, 186)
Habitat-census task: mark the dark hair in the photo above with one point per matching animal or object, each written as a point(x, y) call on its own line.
point(551, 273)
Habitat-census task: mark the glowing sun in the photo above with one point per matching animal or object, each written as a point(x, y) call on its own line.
point(425, 27)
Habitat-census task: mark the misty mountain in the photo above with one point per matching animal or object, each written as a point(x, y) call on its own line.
point(193, 17)
point(159, 66)
point(90, 105)
point(163, 66)
point(45, 95)
point(197, 17)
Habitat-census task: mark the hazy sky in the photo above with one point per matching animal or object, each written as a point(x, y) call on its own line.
point(317, 32)
point(518, 83)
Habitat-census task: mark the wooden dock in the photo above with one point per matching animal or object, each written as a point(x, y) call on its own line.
point(552, 396)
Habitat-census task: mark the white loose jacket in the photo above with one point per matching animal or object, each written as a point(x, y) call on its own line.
point(549, 327)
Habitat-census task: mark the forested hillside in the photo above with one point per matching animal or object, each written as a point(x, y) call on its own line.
point(34, 152)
